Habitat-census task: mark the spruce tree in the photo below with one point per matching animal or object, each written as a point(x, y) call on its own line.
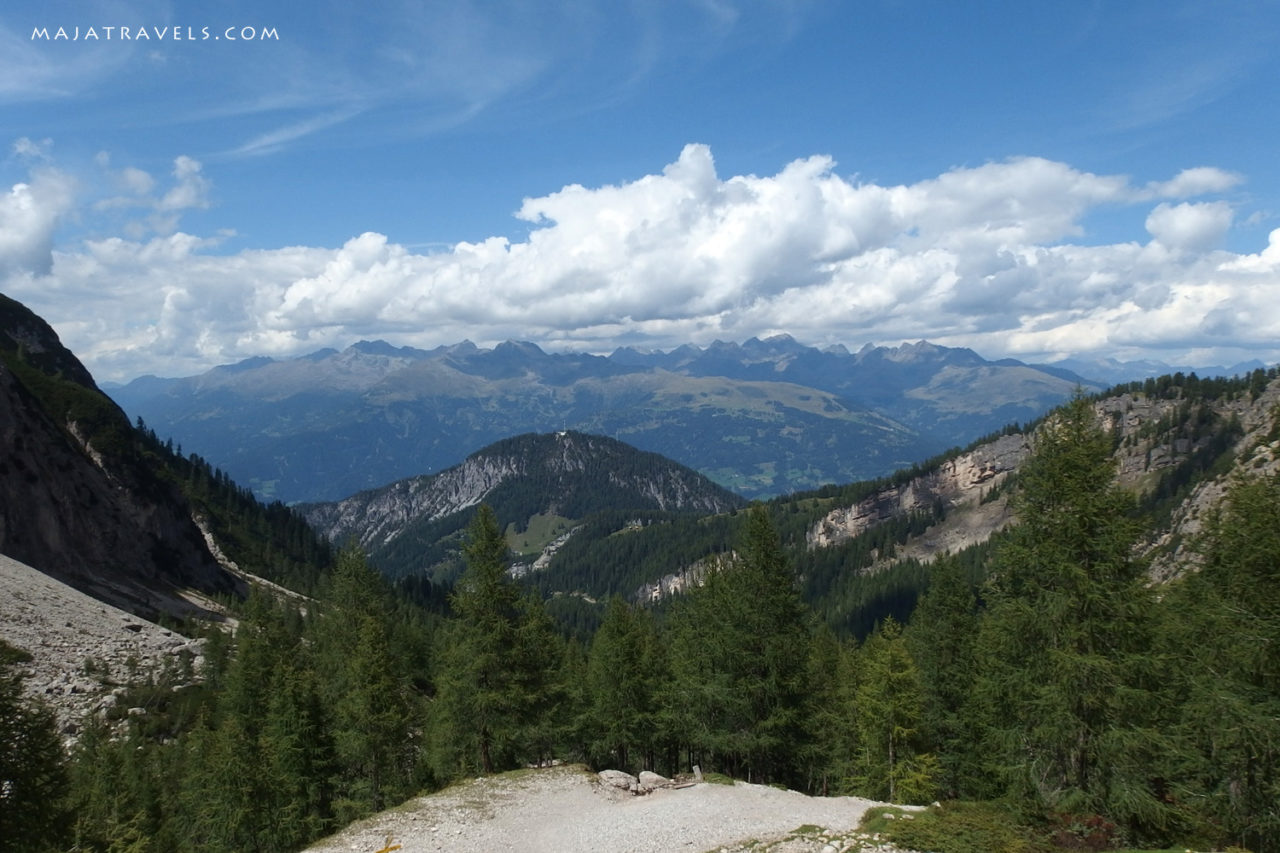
point(498, 655)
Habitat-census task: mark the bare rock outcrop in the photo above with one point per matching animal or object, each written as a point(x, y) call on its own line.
point(959, 482)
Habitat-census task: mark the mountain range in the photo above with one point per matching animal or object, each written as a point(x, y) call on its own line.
point(760, 418)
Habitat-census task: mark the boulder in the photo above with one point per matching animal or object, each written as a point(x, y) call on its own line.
point(619, 779)
point(650, 781)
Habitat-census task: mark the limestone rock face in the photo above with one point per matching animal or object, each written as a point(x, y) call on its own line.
point(961, 481)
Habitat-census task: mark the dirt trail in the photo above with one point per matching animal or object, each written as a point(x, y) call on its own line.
point(566, 809)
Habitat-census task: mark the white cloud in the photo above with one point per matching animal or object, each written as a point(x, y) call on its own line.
point(1193, 182)
point(190, 190)
point(29, 214)
point(1190, 227)
point(989, 256)
point(32, 150)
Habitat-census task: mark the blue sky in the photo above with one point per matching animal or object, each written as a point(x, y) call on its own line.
point(1029, 179)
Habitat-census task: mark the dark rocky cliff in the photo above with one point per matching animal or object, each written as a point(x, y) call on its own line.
point(79, 498)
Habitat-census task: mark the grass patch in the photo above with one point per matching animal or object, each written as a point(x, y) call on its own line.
point(956, 827)
point(541, 531)
point(717, 779)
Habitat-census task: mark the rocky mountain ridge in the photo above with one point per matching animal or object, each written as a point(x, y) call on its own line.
point(564, 475)
point(959, 483)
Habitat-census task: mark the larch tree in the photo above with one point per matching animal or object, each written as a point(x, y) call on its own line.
point(890, 759)
point(1063, 643)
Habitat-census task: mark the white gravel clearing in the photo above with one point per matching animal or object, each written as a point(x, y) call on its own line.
point(566, 809)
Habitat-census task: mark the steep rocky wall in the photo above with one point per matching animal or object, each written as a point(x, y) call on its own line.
point(116, 533)
point(959, 483)
point(1144, 451)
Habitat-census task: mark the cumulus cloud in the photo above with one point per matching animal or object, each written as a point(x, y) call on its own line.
point(29, 214)
point(1190, 227)
point(1193, 182)
point(992, 256)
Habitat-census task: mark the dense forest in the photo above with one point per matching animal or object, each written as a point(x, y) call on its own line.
point(1041, 672)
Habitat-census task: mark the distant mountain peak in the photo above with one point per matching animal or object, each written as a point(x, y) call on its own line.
point(567, 474)
point(381, 347)
point(763, 417)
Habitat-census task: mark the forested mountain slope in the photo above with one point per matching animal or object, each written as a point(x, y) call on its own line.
point(863, 550)
point(1038, 672)
point(542, 487)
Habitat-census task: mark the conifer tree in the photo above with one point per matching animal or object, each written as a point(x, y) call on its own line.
point(1225, 622)
point(33, 775)
point(497, 662)
point(366, 687)
point(830, 741)
point(941, 637)
point(739, 654)
point(373, 723)
point(890, 761)
point(621, 685)
point(1061, 647)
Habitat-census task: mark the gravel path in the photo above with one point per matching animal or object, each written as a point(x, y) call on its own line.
point(566, 809)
